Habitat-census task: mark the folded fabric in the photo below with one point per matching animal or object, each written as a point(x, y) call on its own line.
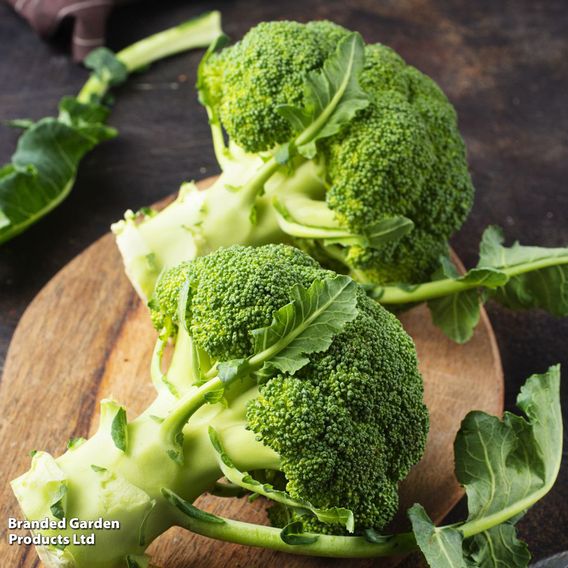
point(89, 17)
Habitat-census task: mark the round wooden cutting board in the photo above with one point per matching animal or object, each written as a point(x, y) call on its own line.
point(86, 336)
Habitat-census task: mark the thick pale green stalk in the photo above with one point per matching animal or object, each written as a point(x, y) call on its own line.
point(97, 479)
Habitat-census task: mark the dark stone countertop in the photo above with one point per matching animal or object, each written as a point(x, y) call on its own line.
point(503, 64)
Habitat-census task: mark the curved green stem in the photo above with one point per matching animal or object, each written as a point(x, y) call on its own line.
point(329, 546)
point(255, 186)
point(309, 232)
point(195, 33)
point(332, 546)
point(439, 288)
point(174, 423)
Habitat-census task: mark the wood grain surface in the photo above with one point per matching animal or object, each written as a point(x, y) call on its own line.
point(86, 336)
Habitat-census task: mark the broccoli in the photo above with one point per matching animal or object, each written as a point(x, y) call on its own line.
point(280, 368)
point(289, 381)
point(352, 155)
point(337, 146)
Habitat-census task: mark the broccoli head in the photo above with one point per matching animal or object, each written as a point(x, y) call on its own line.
point(346, 427)
point(337, 146)
point(267, 68)
point(281, 370)
point(403, 155)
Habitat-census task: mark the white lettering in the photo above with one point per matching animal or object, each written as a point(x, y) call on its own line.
point(98, 524)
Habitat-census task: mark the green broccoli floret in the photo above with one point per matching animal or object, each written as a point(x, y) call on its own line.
point(265, 69)
point(339, 147)
point(404, 156)
point(347, 417)
point(341, 409)
point(281, 370)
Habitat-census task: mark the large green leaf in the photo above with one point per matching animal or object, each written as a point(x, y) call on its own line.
point(518, 277)
point(498, 547)
point(442, 547)
point(332, 96)
point(491, 453)
point(44, 166)
point(538, 276)
point(505, 466)
point(306, 325)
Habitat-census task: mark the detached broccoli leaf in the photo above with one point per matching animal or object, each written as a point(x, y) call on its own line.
point(332, 97)
point(505, 466)
point(44, 166)
point(306, 325)
point(106, 66)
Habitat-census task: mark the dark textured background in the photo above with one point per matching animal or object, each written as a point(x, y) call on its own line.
point(503, 64)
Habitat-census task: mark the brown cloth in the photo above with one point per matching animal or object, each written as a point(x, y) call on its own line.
point(89, 20)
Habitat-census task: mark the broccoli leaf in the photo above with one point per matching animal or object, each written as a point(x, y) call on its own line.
point(491, 454)
point(497, 547)
point(44, 166)
point(119, 429)
point(442, 547)
point(457, 315)
point(332, 96)
point(190, 510)
point(293, 534)
point(58, 507)
point(106, 66)
point(538, 276)
point(306, 325)
point(518, 277)
point(505, 466)
point(334, 516)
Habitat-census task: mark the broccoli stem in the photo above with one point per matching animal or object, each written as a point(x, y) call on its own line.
point(447, 286)
point(222, 153)
point(350, 546)
point(194, 33)
point(98, 479)
point(173, 425)
point(329, 546)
